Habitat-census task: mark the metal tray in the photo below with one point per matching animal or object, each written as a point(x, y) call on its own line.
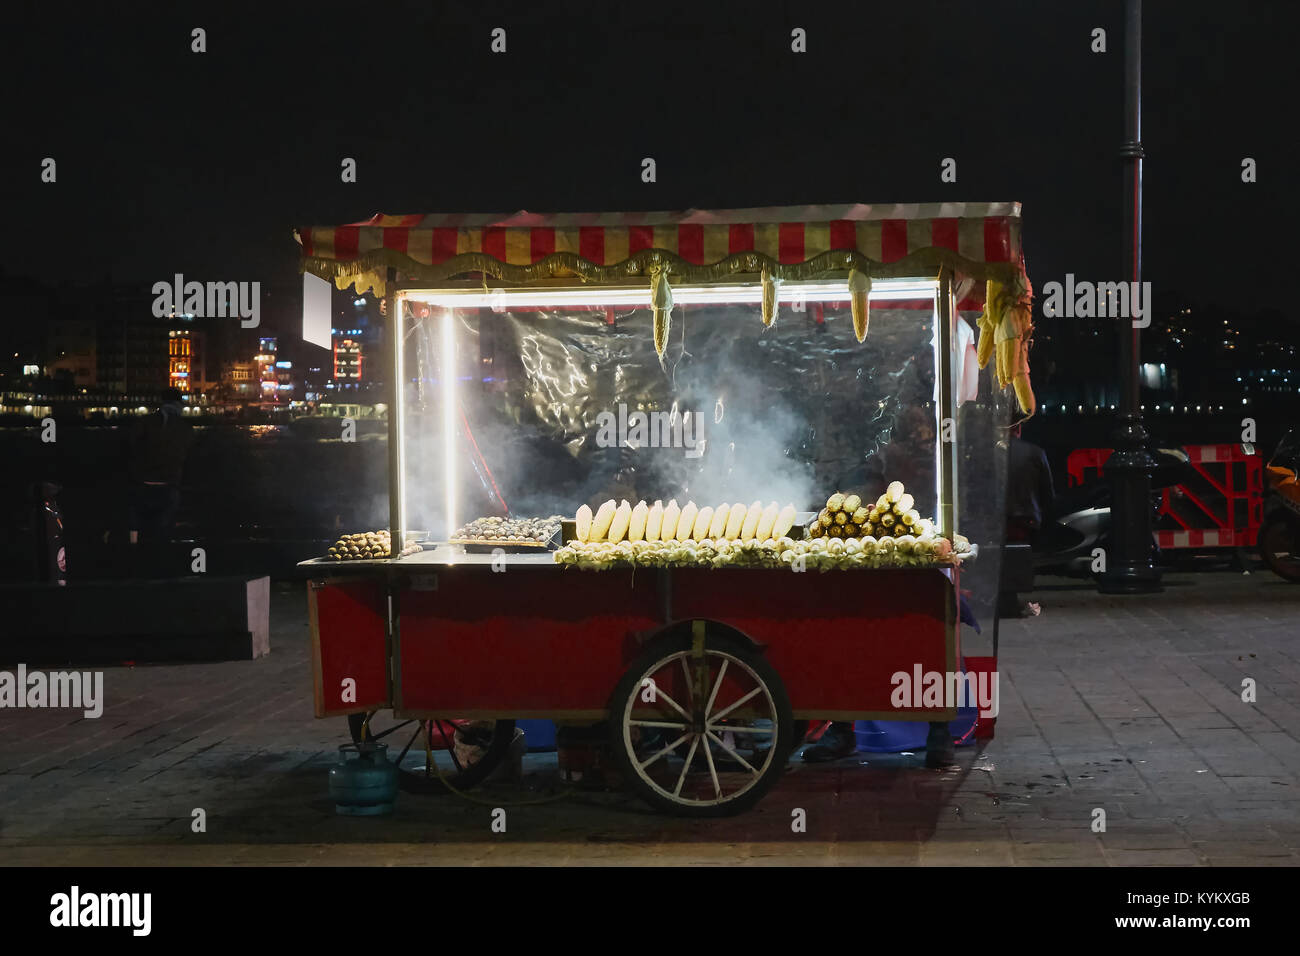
point(509, 547)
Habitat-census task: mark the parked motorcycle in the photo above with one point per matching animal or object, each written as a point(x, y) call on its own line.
point(1079, 519)
point(1279, 532)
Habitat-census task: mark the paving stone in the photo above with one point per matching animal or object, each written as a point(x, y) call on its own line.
point(1130, 704)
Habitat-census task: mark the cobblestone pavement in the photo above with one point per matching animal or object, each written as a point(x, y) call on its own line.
point(1131, 705)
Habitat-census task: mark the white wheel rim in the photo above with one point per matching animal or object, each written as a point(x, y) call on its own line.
point(678, 723)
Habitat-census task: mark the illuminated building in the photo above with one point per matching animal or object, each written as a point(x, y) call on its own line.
point(347, 357)
point(267, 374)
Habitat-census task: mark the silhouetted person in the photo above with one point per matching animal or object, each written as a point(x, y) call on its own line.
point(1029, 488)
point(1029, 501)
point(158, 446)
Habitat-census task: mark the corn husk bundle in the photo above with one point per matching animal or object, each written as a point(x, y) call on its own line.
point(891, 516)
point(771, 288)
point(888, 533)
point(1006, 326)
point(661, 300)
point(859, 290)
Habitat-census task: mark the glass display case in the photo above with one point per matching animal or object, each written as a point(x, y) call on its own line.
point(535, 401)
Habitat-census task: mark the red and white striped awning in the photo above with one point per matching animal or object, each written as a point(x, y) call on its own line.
point(979, 241)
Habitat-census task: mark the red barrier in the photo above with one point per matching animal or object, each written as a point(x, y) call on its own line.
point(984, 665)
point(1221, 506)
point(1083, 460)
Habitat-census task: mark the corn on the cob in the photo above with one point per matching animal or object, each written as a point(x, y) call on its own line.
point(735, 521)
point(750, 524)
point(904, 503)
point(703, 521)
point(835, 502)
point(654, 521)
point(719, 523)
point(894, 491)
point(686, 521)
point(987, 323)
point(770, 286)
point(668, 530)
point(852, 503)
point(618, 524)
point(784, 522)
point(636, 527)
point(766, 521)
point(1005, 327)
point(604, 517)
point(860, 300)
point(582, 523)
point(661, 300)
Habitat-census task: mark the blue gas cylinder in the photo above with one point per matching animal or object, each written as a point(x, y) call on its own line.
point(367, 785)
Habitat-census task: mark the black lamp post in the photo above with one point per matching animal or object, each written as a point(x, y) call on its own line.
point(1128, 564)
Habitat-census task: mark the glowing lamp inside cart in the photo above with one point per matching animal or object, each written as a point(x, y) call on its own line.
point(448, 415)
point(882, 290)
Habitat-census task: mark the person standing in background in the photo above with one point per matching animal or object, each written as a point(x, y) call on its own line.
point(1030, 494)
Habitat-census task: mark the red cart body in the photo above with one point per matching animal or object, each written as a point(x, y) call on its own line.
point(549, 642)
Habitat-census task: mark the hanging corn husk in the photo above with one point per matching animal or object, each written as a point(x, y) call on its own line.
point(988, 322)
point(859, 290)
point(771, 287)
point(661, 300)
point(1006, 326)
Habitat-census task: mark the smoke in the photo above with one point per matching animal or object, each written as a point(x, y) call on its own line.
point(752, 441)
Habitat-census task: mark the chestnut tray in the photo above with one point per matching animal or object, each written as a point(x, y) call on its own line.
point(510, 547)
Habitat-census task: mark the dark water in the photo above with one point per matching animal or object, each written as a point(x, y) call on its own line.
point(257, 499)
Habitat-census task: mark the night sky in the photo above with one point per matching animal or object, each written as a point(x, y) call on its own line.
point(170, 161)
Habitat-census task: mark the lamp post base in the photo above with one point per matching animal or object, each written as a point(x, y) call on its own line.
point(1130, 579)
point(1128, 564)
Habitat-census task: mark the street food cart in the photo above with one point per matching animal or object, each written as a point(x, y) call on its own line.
point(547, 367)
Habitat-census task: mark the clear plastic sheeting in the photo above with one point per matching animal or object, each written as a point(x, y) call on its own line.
point(981, 431)
point(555, 408)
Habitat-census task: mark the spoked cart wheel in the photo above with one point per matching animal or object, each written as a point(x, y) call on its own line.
point(466, 751)
point(702, 727)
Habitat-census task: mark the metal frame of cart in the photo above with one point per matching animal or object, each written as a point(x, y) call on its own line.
point(738, 654)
